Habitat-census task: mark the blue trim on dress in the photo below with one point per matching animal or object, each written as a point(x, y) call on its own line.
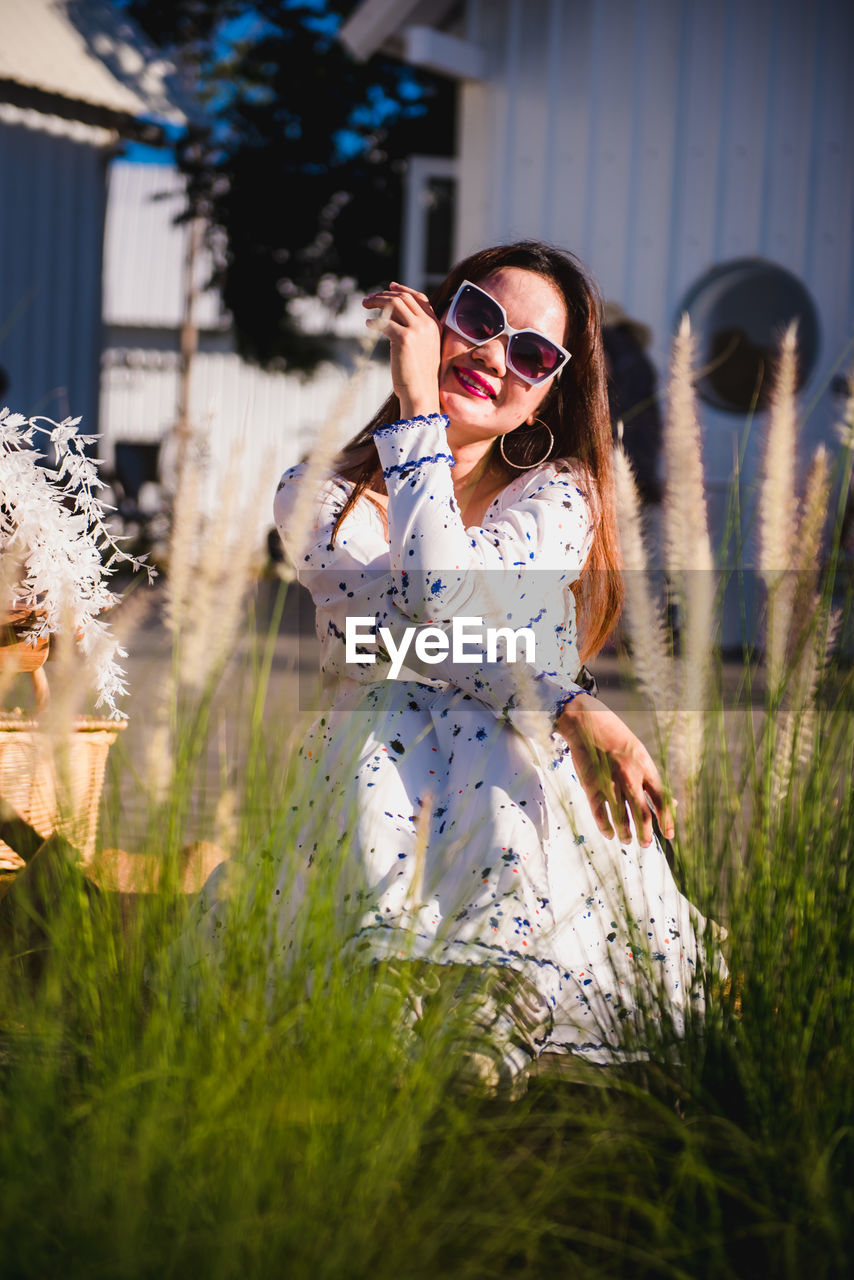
point(567, 698)
point(403, 468)
point(390, 427)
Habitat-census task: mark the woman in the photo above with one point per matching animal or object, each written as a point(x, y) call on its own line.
point(482, 490)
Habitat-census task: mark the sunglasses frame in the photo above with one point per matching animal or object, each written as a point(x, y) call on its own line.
point(510, 332)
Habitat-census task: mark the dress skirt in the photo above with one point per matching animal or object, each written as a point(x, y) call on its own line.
point(458, 840)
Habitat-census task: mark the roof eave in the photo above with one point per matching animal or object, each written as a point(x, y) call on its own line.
point(48, 103)
point(371, 24)
point(447, 55)
point(385, 26)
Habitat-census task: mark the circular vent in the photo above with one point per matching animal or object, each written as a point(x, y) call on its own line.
point(739, 311)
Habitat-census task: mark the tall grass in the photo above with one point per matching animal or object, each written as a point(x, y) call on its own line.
point(168, 1109)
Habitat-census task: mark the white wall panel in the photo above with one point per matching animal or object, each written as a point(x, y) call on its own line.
point(829, 248)
point(605, 246)
point(573, 107)
point(502, 54)
point(473, 223)
point(528, 135)
point(555, 121)
point(676, 134)
point(655, 110)
point(786, 195)
point(145, 250)
point(744, 127)
point(698, 150)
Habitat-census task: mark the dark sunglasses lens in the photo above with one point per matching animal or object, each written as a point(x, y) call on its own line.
point(477, 316)
point(533, 357)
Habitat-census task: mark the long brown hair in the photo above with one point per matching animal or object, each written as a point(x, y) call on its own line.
point(575, 410)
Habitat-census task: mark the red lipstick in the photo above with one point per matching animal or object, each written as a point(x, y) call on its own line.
point(474, 383)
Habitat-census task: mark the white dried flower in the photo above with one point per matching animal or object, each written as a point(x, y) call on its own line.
point(53, 535)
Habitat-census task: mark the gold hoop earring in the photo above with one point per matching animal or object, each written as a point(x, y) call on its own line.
point(528, 466)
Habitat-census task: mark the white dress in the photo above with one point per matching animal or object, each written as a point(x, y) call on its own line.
point(470, 840)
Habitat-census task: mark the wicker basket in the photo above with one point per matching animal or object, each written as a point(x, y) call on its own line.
point(55, 786)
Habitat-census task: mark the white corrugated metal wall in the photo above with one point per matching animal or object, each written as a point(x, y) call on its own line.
point(52, 201)
point(144, 252)
point(656, 138)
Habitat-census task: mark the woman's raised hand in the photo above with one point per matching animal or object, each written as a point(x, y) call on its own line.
point(614, 766)
point(415, 336)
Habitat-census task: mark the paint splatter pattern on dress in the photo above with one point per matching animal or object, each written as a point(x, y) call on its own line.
point(471, 841)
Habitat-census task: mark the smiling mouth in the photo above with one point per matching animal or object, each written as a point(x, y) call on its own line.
point(473, 383)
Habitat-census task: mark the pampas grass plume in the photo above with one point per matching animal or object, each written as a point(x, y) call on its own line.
point(182, 543)
point(643, 612)
point(687, 543)
point(223, 573)
point(688, 557)
point(777, 507)
point(321, 458)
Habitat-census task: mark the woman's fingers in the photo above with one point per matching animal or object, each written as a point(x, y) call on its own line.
point(601, 812)
point(407, 301)
point(647, 798)
point(594, 769)
point(615, 770)
point(642, 815)
point(655, 790)
point(400, 315)
point(610, 808)
point(420, 299)
point(414, 335)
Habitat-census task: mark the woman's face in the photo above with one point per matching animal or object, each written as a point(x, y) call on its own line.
point(481, 396)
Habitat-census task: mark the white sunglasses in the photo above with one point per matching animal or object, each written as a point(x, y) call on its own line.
point(478, 317)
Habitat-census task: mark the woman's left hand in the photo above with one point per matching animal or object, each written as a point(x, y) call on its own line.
point(615, 769)
point(415, 336)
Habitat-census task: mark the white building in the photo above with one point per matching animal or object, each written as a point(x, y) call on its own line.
point(696, 154)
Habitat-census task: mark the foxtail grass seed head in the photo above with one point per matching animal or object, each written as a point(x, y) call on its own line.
point(805, 615)
point(159, 755)
point(813, 513)
point(777, 500)
point(321, 458)
point(688, 559)
point(183, 542)
point(643, 613)
point(778, 528)
point(686, 530)
point(782, 760)
point(237, 572)
point(213, 558)
point(227, 820)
